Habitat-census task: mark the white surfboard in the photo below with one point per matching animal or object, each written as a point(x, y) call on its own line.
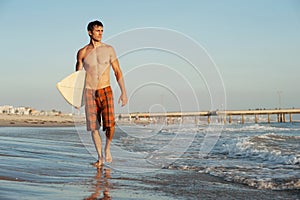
point(71, 88)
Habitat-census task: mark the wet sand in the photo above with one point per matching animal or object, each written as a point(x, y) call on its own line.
point(37, 120)
point(52, 163)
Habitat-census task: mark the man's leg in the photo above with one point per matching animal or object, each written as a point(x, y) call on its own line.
point(98, 145)
point(92, 122)
point(109, 135)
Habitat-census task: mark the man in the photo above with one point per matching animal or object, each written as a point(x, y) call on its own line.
point(97, 58)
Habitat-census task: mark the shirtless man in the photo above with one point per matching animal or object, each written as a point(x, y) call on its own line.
point(97, 58)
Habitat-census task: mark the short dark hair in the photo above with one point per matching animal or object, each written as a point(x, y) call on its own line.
point(91, 25)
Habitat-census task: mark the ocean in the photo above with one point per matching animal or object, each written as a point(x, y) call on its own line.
point(155, 161)
point(263, 156)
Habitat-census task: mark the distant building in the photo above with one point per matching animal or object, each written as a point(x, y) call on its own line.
point(6, 109)
point(22, 110)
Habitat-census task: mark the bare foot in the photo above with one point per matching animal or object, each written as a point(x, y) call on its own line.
point(98, 164)
point(108, 157)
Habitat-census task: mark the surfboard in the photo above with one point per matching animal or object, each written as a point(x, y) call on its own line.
point(71, 88)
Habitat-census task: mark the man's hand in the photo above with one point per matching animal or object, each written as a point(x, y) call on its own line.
point(124, 99)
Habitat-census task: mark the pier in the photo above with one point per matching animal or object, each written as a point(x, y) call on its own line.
point(220, 116)
point(280, 114)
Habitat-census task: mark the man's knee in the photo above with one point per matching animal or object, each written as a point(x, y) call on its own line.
point(95, 132)
point(110, 132)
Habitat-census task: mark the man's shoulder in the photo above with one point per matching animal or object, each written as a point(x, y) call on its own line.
point(107, 45)
point(83, 51)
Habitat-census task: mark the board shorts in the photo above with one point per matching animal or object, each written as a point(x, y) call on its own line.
point(99, 104)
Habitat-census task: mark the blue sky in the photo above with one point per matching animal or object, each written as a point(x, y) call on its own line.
point(254, 44)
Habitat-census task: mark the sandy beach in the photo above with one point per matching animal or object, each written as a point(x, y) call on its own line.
point(13, 120)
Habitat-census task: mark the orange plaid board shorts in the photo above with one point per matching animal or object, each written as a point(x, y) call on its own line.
point(99, 103)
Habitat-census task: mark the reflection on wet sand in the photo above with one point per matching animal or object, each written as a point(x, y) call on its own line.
point(101, 183)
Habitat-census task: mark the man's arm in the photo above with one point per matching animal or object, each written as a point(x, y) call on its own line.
point(79, 59)
point(118, 74)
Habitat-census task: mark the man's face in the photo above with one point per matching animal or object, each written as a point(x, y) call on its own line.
point(96, 34)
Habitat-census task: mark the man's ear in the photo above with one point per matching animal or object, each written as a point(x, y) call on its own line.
point(90, 33)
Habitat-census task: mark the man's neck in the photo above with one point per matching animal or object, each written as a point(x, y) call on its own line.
point(95, 43)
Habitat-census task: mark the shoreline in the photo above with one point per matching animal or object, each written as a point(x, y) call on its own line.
point(11, 120)
point(63, 120)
